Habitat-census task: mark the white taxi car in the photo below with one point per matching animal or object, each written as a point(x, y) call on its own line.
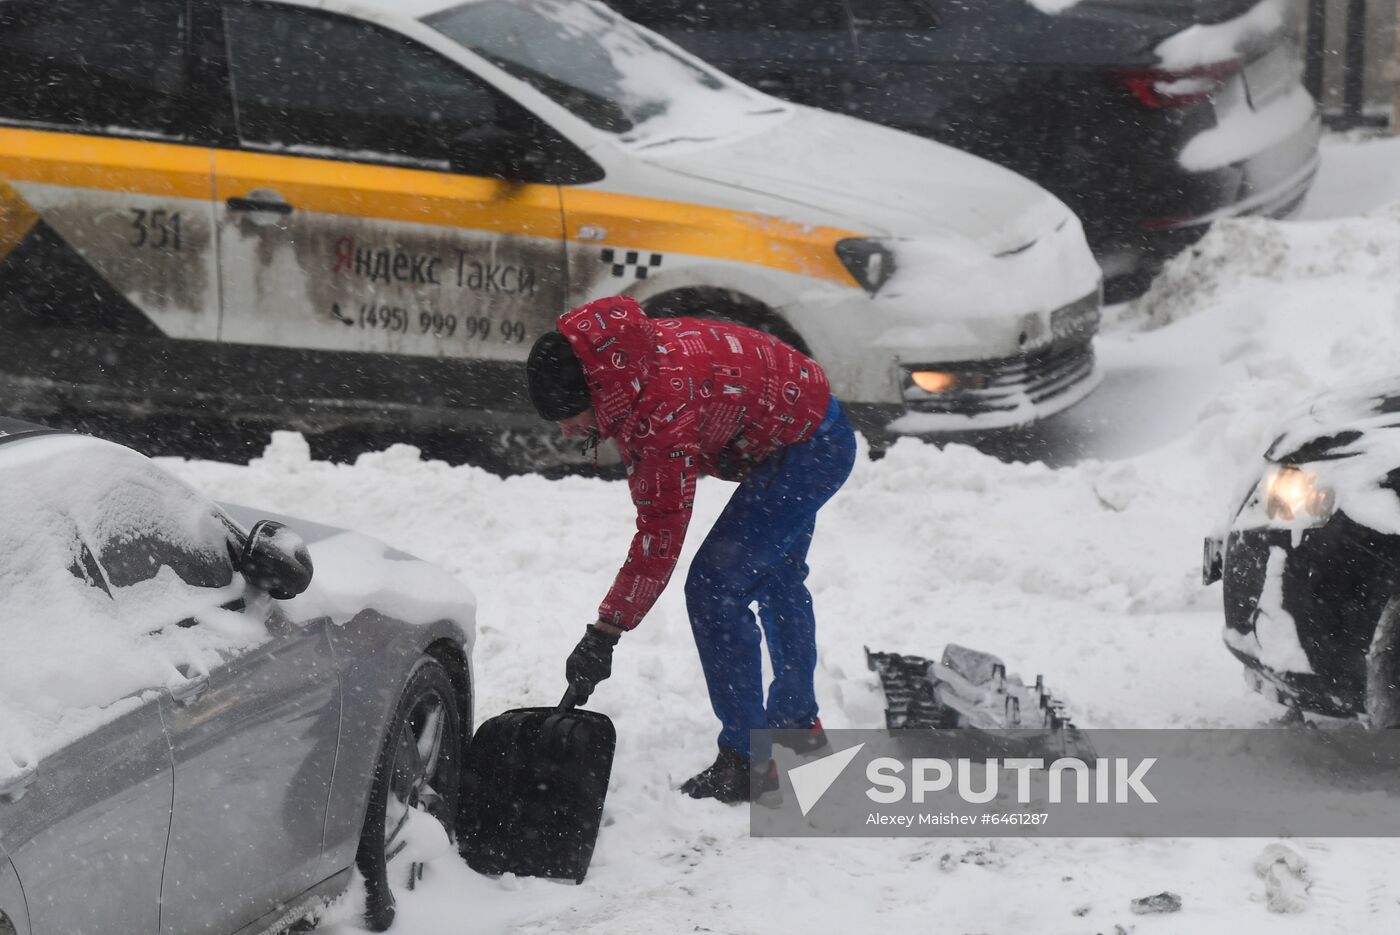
point(328, 213)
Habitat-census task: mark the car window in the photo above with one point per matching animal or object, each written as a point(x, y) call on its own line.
point(84, 567)
point(316, 83)
point(115, 66)
point(608, 71)
point(131, 559)
point(146, 521)
point(734, 15)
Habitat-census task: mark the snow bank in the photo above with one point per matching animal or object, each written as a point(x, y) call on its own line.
point(1356, 178)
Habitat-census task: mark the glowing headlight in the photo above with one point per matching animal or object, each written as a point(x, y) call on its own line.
point(1290, 492)
point(933, 381)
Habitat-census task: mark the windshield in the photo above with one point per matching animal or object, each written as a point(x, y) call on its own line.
point(607, 71)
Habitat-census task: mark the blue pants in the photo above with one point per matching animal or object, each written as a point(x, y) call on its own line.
point(757, 551)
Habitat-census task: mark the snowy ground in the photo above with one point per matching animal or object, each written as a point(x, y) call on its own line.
point(1089, 573)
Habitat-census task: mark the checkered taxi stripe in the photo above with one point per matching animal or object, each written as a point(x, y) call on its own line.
point(625, 262)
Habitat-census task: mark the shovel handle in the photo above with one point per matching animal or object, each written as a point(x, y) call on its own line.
point(570, 699)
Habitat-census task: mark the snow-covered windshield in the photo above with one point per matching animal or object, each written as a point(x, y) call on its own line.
point(608, 71)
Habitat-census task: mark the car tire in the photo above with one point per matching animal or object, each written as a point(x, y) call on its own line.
point(419, 767)
point(710, 306)
point(1383, 670)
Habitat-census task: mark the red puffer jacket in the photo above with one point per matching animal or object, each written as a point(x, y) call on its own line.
point(682, 397)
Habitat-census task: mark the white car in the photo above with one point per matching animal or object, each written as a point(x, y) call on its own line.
point(328, 214)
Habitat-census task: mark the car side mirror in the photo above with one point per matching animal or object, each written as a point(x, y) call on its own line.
point(276, 560)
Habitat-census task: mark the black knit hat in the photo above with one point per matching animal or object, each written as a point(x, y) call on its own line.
point(557, 386)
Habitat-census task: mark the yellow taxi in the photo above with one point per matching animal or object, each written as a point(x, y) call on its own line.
point(328, 213)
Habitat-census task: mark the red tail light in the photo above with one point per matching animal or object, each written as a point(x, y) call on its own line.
point(1159, 87)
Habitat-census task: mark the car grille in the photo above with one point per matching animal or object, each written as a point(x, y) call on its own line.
point(1002, 385)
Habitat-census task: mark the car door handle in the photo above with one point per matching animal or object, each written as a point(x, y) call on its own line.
point(12, 787)
point(264, 203)
point(191, 688)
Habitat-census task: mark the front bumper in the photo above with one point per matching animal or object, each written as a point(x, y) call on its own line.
point(1002, 393)
point(1334, 581)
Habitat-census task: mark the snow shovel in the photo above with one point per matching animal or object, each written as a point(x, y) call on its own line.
point(536, 780)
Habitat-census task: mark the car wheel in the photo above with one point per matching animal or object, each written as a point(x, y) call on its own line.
point(721, 306)
point(1383, 670)
point(419, 768)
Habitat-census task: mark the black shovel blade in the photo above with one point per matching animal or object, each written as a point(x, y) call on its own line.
point(533, 795)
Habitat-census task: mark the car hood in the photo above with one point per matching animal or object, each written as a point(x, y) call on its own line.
point(1350, 441)
point(844, 172)
point(1346, 423)
point(353, 572)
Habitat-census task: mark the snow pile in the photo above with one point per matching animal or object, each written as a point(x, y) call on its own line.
point(1357, 177)
point(1294, 309)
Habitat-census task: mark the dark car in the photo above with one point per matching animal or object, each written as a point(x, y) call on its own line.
point(195, 734)
point(1149, 118)
point(1311, 561)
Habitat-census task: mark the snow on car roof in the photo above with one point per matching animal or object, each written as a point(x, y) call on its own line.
point(78, 651)
point(75, 656)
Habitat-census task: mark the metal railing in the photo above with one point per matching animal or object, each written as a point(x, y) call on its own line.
point(1353, 47)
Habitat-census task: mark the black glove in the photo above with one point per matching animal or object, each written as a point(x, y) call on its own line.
point(590, 662)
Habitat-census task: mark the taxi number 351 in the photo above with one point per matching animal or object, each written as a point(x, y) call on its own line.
point(156, 230)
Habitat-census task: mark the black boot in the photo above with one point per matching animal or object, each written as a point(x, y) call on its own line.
point(812, 740)
point(731, 779)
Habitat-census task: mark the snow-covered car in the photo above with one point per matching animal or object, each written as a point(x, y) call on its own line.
point(330, 214)
point(1311, 561)
point(1150, 118)
point(196, 735)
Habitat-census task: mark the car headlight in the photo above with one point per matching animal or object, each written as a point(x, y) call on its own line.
point(1290, 492)
point(933, 381)
point(869, 261)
